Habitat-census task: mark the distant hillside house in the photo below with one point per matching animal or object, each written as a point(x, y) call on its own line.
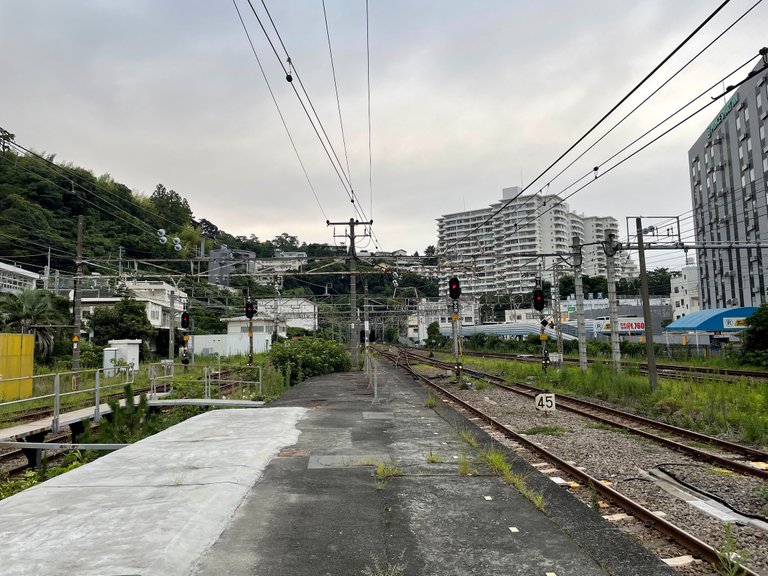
point(295, 312)
point(14, 280)
point(155, 294)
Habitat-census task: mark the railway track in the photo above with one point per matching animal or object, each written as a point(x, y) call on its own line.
point(698, 547)
point(679, 371)
point(640, 426)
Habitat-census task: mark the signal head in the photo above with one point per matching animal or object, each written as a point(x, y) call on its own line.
point(454, 288)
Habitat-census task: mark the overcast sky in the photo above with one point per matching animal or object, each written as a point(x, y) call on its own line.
point(467, 98)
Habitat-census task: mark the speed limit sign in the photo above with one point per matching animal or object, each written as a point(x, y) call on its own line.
point(545, 402)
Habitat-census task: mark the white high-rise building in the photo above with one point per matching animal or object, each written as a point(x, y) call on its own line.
point(685, 291)
point(492, 252)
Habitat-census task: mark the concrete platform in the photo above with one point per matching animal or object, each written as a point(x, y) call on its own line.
point(290, 489)
point(319, 509)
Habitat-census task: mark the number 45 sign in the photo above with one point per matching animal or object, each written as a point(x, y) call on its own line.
point(545, 402)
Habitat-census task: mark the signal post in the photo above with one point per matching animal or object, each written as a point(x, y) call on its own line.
point(454, 291)
point(185, 327)
point(249, 309)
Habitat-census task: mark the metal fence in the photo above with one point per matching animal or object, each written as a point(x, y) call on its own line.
point(65, 391)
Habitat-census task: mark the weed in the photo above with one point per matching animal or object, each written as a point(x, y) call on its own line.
point(594, 498)
point(367, 462)
point(387, 569)
point(380, 485)
point(495, 460)
point(434, 458)
point(466, 435)
point(465, 467)
point(729, 556)
point(518, 481)
point(430, 401)
point(384, 471)
point(600, 426)
point(545, 430)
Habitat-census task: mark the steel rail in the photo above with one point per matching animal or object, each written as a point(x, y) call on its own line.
point(688, 541)
point(735, 465)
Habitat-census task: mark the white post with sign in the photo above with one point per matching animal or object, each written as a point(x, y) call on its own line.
point(545, 402)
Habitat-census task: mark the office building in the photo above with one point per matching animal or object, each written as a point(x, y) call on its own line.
point(728, 165)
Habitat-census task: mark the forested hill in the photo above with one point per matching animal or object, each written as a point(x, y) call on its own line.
point(41, 199)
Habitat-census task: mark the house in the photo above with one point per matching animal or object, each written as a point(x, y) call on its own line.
point(237, 341)
point(14, 280)
point(295, 312)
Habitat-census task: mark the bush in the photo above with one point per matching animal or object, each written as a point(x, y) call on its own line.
point(307, 357)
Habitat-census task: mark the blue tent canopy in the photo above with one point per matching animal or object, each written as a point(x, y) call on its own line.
point(714, 320)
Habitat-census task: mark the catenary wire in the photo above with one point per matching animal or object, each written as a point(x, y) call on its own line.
point(601, 120)
point(326, 144)
point(279, 112)
point(336, 90)
point(625, 159)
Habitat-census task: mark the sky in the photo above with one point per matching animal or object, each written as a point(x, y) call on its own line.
point(466, 98)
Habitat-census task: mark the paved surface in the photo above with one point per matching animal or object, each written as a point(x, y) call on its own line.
point(319, 509)
point(208, 497)
point(151, 508)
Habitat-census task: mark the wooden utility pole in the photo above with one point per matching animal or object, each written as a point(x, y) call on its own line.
point(76, 303)
point(354, 340)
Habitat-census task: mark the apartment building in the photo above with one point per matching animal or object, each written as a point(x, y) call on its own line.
point(495, 249)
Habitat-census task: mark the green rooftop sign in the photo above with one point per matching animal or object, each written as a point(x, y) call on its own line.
point(723, 113)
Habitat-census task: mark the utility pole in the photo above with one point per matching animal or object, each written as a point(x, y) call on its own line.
point(579, 287)
point(649, 351)
point(354, 340)
point(366, 324)
point(610, 247)
point(172, 326)
point(555, 299)
point(76, 304)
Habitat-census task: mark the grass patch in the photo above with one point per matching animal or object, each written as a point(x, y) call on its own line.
point(496, 461)
point(430, 401)
point(466, 435)
point(434, 458)
point(600, 426)
point(385, 569)
point(737, 409)
point(545, 431)
point(385, 471)
point(465, 466)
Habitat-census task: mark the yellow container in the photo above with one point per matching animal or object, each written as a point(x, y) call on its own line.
point(17, 352)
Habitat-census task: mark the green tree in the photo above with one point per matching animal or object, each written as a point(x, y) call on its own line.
point(125, 320)
point(754, 339)
point(36, 312)
point(660, 282)
point(566, 286)
point(434, 338)
point(170, 207)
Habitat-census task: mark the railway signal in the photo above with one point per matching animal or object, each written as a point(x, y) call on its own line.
point(454, 288)
point(538, 299)
point(249, 309)
point(185, 320)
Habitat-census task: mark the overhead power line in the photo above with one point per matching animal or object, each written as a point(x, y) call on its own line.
point(600, 121)
point(279, 112)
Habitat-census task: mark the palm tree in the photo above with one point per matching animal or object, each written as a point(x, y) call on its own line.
point(32, 312)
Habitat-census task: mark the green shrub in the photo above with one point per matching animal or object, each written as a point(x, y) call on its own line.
point(308, 357)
